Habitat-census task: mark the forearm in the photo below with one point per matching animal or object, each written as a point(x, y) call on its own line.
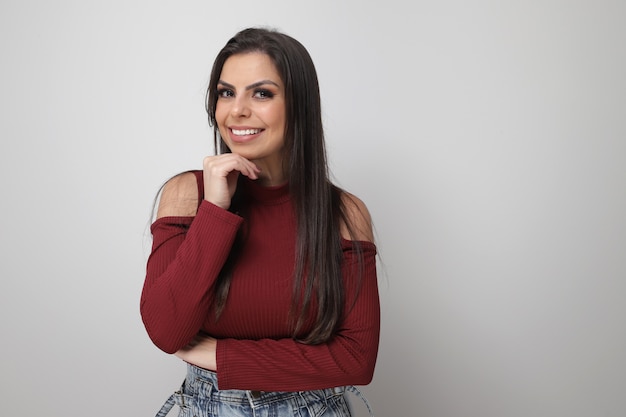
point(287, 365)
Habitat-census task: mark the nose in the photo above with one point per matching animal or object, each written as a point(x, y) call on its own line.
point(240, 107)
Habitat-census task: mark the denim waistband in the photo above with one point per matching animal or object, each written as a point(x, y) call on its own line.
point(203, 383)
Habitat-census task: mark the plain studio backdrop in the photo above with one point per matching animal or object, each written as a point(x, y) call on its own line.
point(488, 139)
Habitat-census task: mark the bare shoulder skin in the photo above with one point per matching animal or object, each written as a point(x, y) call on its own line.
point(179, 196)
point(359, 219)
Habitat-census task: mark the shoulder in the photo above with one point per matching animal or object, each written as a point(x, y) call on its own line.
point(179, 196)
point(356, 222)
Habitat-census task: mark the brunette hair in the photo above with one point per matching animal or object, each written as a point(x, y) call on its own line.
point(318, 203)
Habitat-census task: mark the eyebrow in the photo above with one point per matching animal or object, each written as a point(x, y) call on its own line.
point(251, 86)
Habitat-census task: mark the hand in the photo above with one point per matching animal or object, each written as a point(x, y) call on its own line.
point(200, 352)
point(220, 174)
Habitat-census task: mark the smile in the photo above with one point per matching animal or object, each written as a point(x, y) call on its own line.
point(245, 132)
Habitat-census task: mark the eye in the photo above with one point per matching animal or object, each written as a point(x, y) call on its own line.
point(225, 93)
point(263, 94)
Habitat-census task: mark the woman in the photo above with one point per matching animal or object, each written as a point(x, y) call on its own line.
point(262, 275)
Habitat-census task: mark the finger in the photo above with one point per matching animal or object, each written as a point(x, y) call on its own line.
point(243, 165)
point(222, 165)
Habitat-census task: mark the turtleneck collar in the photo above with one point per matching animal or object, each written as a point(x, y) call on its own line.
point(268, 195)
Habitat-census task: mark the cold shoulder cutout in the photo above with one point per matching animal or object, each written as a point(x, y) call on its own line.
point(359, 219)
point(180, 196)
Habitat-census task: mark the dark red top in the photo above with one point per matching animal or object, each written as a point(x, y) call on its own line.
point(255, 350)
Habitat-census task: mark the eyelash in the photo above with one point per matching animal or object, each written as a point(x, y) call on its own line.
point(261, 94)
point(265, 94)
point(224, 93)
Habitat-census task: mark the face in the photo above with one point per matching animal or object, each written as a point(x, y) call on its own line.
point(250, 110)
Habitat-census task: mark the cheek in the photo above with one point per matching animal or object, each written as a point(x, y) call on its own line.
point(219, 113)
point(220, 120)
point(276, 117)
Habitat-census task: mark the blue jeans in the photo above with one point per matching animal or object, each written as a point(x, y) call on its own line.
point(199, 396)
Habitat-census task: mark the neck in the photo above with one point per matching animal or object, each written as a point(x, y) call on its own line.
point(271, 174)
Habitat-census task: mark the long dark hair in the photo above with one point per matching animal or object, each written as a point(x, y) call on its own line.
point(318, 203)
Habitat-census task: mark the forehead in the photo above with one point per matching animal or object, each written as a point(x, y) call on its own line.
point(251, 66)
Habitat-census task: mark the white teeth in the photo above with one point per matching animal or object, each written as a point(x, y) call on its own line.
point(246, 132)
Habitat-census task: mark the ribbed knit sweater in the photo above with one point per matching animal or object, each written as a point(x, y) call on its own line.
point(255, 347)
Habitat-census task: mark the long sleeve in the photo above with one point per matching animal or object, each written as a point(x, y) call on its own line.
point(187, 256)
point(287, 365)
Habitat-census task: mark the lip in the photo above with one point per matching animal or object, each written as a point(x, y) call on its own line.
point(243, 138)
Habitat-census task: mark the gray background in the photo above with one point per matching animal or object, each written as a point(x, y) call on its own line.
point(488, 139)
